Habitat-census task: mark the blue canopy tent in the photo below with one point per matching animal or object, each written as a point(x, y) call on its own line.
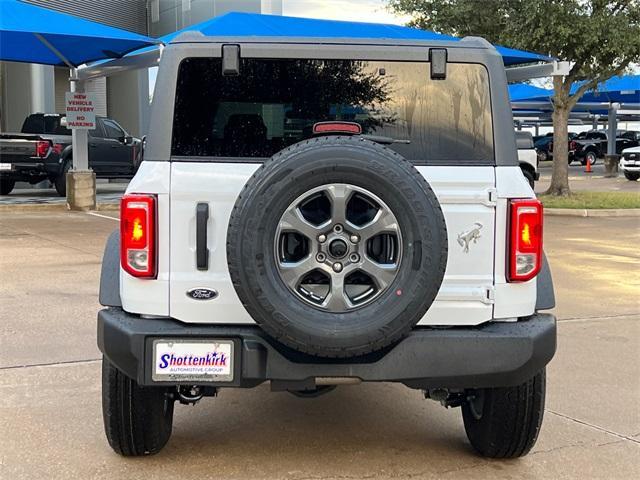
point(38, 35)
point(618, 89)
point(616, 97)
point(236, 24)
point(33, 34)
point(526, 92)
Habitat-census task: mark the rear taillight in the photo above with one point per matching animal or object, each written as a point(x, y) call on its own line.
point(572, 145)
point(57, 147)
point(336, 127)
point(525, 240)
point(138, 235)
point(42, 148)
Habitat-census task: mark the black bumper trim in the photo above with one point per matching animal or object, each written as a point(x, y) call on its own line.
point(491, 355)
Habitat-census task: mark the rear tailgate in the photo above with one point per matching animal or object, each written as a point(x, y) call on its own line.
point(17, 148)
point(467, 197)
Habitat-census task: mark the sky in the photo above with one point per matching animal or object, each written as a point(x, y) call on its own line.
point(355, 10)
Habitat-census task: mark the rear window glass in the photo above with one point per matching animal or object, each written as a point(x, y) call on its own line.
point(45, 124)
point(275, 103)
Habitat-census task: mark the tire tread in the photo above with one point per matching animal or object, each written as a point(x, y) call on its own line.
point(511, 419)
point(134, 419)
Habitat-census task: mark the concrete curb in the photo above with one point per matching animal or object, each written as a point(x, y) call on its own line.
point(583, 212)
point(52, 207)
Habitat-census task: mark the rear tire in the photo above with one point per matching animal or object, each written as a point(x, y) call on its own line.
point(60, 181)
point(633, 176)
point(530, 178)
point(6, 186)
point(505, 422)
point(137, 420)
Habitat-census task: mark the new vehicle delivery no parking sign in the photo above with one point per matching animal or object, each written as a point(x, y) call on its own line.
point(81, 110)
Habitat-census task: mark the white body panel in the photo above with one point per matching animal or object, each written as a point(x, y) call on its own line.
point(512, 300)
point(528, 156)
point(151, 297)
point(474, 289)
point(464, 297)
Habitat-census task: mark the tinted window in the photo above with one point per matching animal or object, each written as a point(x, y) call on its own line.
point(112, 130)
point(524, 140)
point(45, 124)
point(275, 103)
point(596, 136)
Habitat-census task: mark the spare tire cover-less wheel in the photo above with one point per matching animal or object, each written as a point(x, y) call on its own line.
point(337, 246)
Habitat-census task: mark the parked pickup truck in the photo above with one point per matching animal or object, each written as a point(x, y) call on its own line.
point(294, 223)
point(43, 151)
point(591, 145)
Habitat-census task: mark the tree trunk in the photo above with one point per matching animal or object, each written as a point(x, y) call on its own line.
point(560, 175)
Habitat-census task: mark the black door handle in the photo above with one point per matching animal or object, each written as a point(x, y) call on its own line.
point(202, 252)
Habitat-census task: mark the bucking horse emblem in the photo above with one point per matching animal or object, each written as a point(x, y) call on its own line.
point(465, 238)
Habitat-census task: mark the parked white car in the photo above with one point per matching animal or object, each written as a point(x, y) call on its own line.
point(527, 157)
point(630, 163)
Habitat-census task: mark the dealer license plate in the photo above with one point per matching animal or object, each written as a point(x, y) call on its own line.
point(192, 360)
point(5, 166)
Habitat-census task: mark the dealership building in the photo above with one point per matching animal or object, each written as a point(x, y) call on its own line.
point(29, 88)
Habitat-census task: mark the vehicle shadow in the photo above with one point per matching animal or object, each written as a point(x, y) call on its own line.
point(352, 431)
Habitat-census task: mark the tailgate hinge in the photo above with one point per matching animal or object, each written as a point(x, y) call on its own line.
point(492, 197)
point(489, 295)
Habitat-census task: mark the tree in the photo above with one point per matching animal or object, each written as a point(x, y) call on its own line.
point(602, 37)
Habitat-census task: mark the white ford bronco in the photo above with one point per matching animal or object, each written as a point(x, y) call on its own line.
point(319, 212)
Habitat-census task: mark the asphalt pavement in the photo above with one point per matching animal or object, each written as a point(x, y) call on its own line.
point(50, 414)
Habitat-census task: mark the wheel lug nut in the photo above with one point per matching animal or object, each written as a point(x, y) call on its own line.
point(322, 238)
point(321, 257)
point(337, 267)
point(354, 238)
point(354, 257)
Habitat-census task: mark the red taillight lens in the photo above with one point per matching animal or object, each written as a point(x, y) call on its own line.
point(525, 240)
point(138, 235)
point(572, 145)
point(42, 148)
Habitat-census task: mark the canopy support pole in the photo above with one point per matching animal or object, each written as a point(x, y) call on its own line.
point(612, 123)
point(81, 180)
point(611, 159)
point(56, 52)
point(79, 137)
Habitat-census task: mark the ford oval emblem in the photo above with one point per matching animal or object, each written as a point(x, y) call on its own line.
point(202, 294)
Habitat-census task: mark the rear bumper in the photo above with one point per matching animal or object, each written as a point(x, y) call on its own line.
point(34, 168)
point(491, 355)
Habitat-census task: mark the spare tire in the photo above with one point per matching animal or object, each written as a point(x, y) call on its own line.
point(337, 246)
